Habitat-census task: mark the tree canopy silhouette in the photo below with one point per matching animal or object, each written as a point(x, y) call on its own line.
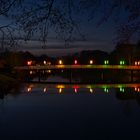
point(125, 13)
point(7, 26)
point(62, 17)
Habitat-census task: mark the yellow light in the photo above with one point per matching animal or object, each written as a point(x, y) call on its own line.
point(29, 89)
point(91, 62)
point(135, 88)
point(31, 72)
point(136, 63)
point(48, 71)
point(60, 86)
point(60, 90)
point(60, 62)
point(44, 62)
point(45, 89)
point(91, 90)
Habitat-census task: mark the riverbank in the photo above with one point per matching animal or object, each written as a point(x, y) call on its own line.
point(7, 83)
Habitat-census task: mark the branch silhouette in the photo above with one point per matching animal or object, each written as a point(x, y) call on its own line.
point(62, 18)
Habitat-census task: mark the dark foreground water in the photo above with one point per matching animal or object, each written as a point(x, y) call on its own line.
point(46, 112)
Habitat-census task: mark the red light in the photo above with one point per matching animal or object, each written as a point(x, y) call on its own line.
point(75, 86)
point(29, 63)
point(75, 62)
point(75, 90)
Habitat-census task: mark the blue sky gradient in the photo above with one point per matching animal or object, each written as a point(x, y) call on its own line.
point(101, 37)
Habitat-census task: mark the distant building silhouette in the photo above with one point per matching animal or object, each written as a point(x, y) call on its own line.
point(128, 52)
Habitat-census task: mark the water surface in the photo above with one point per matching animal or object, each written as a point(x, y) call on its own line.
point(75, 112)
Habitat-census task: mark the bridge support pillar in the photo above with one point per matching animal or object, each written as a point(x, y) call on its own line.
point(102, 75)
point(70, 76)
point(131, 76)
point(39, 75)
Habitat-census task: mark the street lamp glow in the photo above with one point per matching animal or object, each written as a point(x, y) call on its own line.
point(91, 62)
point(91, 90)
point(45, 89)
point(48, 71)
point(29, 89)
point(60, 90)
point(31, 72)
point(60, 62)
point(44, 62)
point(29, 63)
point(60, 86)
point(136, 63)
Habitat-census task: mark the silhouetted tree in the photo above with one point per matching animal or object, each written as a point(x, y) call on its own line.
point(7, 27)
point(40, 17)
point(126, 13)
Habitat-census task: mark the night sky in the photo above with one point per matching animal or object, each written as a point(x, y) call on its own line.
point(101, 37)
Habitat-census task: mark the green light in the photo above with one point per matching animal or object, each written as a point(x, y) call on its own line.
point(106, 90)
point(106, 62)
point(122, 62)
point(122, 89)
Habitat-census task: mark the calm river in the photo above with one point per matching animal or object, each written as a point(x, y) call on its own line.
point(75, 112)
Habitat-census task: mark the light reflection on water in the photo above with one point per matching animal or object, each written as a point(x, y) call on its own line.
point(89, 88)
point(59, 111)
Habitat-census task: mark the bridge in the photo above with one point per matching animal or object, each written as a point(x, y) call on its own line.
point(41, 68)
point(51, 67)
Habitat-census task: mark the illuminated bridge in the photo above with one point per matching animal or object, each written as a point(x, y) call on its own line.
point(131, 70)
point(50, 67)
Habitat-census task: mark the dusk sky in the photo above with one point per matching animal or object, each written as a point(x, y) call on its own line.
point(97, 38)
point(101, 37)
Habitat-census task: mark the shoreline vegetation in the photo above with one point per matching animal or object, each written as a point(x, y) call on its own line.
point(123, 54)
point(7, 84)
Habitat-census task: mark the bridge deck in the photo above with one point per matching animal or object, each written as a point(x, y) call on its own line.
point(45, 67)
point(78, 85)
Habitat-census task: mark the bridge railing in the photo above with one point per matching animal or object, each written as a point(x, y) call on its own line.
point(125, 67)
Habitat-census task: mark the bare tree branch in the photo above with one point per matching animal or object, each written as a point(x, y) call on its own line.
point(41, 18)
